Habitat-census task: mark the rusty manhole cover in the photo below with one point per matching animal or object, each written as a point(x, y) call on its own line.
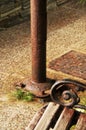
point(72, 63)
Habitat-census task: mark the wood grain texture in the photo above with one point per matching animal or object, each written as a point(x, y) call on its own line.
point(81, 124)
point(46, 119)
point(64, 119)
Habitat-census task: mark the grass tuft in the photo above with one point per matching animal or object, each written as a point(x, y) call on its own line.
point(23, 95)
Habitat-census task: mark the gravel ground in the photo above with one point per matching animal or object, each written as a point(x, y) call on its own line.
point(16, 115)
point(66, 31)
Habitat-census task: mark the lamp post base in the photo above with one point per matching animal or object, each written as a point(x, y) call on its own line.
point(40, 90)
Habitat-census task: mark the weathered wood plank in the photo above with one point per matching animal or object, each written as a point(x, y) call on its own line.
point(46, 119)
point(36, 118)
point(45, 116)
point(64, 119)
point(51, 129)
point(81, 124)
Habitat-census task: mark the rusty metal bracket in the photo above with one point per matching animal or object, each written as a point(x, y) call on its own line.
point(65, 92)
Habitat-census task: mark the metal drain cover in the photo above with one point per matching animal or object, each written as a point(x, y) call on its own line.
point(72, 63)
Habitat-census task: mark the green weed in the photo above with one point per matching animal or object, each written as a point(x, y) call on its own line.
point(23, 95)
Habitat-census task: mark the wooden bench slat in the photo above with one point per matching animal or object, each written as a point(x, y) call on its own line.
point(54, 117)
point(36, 118)
point(64, 119)
point(81, 124)
point(46, 118)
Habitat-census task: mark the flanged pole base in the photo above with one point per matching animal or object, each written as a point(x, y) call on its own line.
point(40, 90)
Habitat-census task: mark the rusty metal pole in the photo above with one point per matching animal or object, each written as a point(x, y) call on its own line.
point(38, 40)
point(39, 83)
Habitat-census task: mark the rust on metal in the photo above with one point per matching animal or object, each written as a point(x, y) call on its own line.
point(40, 90)
point(72, 63)
point(65, 93)
point(39, 83)
point(38, 40)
